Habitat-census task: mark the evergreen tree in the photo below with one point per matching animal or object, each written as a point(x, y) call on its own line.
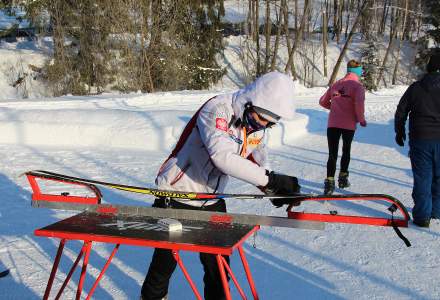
point(370, 63)
point(186, 51)
point(433, 18)
point(429, 42)
point(207, 35)
point(132, 45)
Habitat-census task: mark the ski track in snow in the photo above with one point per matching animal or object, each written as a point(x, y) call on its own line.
point(341, 262)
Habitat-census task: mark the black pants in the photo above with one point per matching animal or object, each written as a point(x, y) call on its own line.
point(163, 264)
point(333, 136)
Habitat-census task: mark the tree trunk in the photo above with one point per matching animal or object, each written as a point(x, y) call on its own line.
point(267, 37)
point(324, 40)
point(390, 44)
point(147, 81)
point(384, 16)
point(286, 32)
point(257, 37)
point(58, 32)
point(347, 23)
point(296, 15)
point(277, 39)
point(337, 25)
point(298, 37)
point(340, 18)
point(396, 67)
point(250, 30)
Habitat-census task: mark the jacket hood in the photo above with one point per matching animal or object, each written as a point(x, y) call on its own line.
point(273, 91)
point(431, 82)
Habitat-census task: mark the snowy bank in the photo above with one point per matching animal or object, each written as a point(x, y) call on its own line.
point(102, 125)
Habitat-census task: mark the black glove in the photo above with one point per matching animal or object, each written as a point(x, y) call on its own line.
point(280, 184)
point(278, 202)
point(400, 138)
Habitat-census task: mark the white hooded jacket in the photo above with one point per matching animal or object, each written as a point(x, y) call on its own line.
point(214, 147)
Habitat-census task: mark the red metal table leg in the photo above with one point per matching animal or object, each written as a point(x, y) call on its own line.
point(102, 272)
point(88, 246)
point(248, 272)
point(186, 274)
point(69, 275)
point(223, 277)
point(234, 279)
point(54, 269)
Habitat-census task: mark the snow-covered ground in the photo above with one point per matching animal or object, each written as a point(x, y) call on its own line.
point(125, 139)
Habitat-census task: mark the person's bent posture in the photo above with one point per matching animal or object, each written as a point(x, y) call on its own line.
point(224, 138)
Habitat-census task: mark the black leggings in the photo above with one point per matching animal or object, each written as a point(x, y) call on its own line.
point(163, 264)
point(333, 136)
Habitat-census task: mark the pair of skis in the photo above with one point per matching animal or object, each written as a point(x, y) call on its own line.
point(157, 192)
point(294, 219)
point(93, 203)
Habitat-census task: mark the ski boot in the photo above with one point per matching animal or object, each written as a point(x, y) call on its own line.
point(329, 186)
point(343, 180)
point(422, 223)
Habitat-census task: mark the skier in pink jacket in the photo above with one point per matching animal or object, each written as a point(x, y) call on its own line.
point(345, 100)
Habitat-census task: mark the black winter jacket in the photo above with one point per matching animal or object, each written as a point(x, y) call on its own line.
point(422, 102)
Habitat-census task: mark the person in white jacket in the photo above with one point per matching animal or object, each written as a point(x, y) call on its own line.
point(224, 138)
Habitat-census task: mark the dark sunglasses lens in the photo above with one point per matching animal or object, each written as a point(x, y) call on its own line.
point(270, 124)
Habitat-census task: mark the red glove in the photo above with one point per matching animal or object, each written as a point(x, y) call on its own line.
point(363, 123)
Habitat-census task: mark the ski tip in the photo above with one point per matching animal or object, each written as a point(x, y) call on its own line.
point(30, 172)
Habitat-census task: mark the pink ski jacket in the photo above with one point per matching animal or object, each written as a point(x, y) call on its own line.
point(346, 101)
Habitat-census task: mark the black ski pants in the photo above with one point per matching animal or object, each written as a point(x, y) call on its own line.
point(163, 264)
point(333, 137)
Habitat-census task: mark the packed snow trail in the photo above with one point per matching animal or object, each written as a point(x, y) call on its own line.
point(341, 262)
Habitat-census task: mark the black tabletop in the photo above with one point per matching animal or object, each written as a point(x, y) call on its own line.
point(94, 226)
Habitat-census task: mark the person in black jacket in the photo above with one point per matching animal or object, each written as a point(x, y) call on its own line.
point(422, 102)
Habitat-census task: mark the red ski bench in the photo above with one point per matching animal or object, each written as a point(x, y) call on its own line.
point(196, 236)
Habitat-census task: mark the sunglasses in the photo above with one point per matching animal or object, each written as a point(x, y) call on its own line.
point(263, 119)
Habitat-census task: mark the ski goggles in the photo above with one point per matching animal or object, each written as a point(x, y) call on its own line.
point(256, 125)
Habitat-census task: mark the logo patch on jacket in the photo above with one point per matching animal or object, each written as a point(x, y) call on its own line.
point(222, 124)
point(254, 141)
point(340, 93)
point(235, 138)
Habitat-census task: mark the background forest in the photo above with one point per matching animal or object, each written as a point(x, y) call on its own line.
point(162, 45)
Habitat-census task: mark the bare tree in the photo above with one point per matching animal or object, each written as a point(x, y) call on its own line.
point(400, 41)
point(257, 36)
point(290, 65)
point(287, 32)
point(324, 37)
point(385, 11)
point(296, 15)
point(392, 36)
point(277, 38)
point(347, 42)
point(268, 33)
point(145, 66)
